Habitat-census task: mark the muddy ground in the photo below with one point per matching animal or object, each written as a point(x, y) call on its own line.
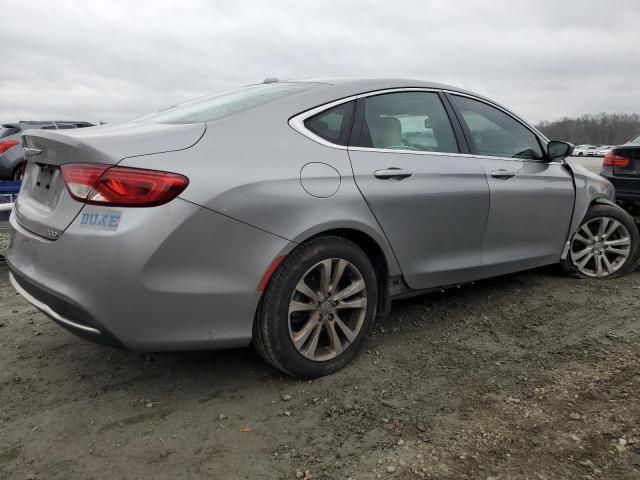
point(530, 376)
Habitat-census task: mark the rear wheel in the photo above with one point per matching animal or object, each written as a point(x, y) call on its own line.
point(18, 172)
point(317, 309)
point(606, 245)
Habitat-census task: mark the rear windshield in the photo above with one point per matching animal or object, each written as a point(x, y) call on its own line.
point(636, 140)
point(213, 107)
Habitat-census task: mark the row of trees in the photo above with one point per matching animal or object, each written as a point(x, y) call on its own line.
point(598, 129)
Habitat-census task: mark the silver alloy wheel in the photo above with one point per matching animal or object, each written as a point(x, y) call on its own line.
point(327, 309)
point(600, 247)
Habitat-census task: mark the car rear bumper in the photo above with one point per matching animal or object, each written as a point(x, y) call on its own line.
point(627, 189)
point(175, 277)
point(74, 318)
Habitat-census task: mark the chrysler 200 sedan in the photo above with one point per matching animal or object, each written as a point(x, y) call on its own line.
point(289, 214)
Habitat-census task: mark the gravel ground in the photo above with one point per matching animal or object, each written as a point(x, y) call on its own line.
point(530, 376)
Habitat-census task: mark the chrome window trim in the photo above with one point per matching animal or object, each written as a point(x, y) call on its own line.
point(297, 123)
point(411, 152)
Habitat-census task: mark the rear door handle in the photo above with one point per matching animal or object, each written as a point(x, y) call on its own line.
point(503, 174)
point(392, 173)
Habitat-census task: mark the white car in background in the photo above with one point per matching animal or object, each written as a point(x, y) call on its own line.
point(580, 150)
point(604, 149)
point(592, 150)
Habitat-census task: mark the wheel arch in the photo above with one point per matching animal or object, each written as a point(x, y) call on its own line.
point(602, 201)
point(381, 256)
point(376, 255)
point(579, 214)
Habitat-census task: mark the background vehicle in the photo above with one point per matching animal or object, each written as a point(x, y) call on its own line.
point(580, 150)
point(603, 150)
point(592, 151)
point(11, 158)
point(621, 166)
point(177, 231)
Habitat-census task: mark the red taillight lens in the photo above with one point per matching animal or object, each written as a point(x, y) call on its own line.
point(97, 184)
point(7, 144)
point(613, 160)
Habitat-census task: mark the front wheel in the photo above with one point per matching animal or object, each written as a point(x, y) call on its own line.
point(606, 245)
point(317, 308)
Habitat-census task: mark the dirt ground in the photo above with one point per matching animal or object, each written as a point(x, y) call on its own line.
point(530, 376)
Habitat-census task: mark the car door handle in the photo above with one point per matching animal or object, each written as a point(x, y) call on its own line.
point(392, 173)
point(503, 174)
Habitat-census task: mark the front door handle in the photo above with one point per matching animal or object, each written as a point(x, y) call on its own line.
point(504, 174)
point(392, 173)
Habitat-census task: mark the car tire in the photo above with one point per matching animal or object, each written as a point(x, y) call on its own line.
point(336, 317)
point(616, 250)
point(18, 172)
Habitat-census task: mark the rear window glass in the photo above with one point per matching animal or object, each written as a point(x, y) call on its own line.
point(636, 140)
point(213, 107)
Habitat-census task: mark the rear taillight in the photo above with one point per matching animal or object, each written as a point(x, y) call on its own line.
point(613, 160)
point(97, 184)
point(7, 144)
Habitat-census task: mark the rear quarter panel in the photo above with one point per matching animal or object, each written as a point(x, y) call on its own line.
point(248, 166)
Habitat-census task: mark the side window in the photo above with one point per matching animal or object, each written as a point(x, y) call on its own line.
point(495, 133)
point(407, 121)
point(333, 125)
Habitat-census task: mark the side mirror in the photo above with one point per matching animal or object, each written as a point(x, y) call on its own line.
point(557, 149)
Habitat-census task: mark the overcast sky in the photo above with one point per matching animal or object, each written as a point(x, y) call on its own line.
point(113, 60)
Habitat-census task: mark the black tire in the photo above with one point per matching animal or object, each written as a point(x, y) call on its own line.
point(271, 336)
point(601, 210)
point(18, 172)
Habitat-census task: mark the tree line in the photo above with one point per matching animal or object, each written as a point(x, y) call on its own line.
point(597, 129)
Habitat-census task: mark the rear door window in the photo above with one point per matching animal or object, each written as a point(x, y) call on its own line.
point(412, 121)
point(494, 133)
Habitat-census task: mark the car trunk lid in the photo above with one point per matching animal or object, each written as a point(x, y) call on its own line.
point(44, 205)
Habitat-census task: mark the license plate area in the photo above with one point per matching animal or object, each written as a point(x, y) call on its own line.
point(41, 186)
point(44, 183)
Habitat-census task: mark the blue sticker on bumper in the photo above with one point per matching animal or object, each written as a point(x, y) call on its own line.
point(101, 219)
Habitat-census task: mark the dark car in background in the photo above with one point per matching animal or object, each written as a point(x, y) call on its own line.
point(11, 157)
point(621, 166)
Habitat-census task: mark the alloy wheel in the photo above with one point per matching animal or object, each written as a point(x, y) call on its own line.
point(600, 247)
point(327, 309)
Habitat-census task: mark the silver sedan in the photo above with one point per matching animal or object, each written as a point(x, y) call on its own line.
point(290, 214)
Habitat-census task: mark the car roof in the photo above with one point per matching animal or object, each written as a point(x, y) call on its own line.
point(371, 84)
